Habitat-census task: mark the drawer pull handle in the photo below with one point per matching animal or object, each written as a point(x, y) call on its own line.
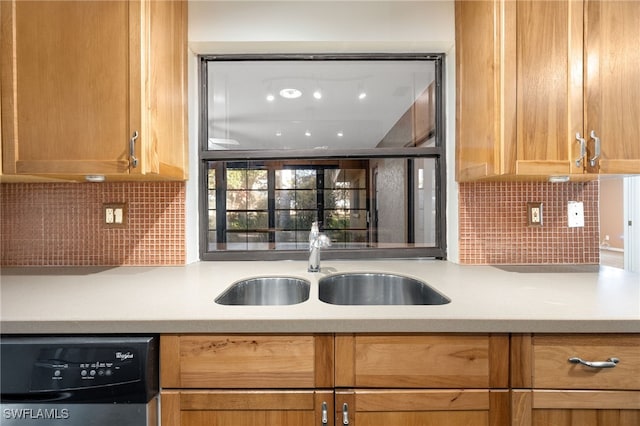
point(325, 414)
point(610, 363)
point(345, 414)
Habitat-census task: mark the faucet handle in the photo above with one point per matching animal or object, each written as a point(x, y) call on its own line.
point(322, 241)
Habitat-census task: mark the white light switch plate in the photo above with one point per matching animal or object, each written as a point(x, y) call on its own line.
point(575, 213)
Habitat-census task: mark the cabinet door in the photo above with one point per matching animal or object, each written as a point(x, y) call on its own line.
point(549, 87)
point(485, 89)
point(422, 361)
point(422, 407)
point(246, 361)
point(246, 408)
point(612, 37)
point(570, 408)
point(65, 87)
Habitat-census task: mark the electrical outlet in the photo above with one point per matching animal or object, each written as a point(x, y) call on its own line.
point(534, 214)
point(115, 214)
point(108, 215)
point(575, 214)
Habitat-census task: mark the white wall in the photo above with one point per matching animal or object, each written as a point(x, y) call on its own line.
point(321, 27)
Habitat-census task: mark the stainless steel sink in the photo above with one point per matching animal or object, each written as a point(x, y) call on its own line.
point(266, 291)
point(377, 289)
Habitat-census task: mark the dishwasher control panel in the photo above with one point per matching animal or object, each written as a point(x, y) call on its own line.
point(62, 368)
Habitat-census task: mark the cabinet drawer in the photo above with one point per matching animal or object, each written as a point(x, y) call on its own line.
point(422, 361)
point(246, 361)
point(552, 369)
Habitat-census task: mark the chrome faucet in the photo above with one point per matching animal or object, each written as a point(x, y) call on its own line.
point(315, 244)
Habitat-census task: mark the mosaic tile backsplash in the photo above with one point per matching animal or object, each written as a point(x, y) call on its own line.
point(61, 224)
point(494, 229)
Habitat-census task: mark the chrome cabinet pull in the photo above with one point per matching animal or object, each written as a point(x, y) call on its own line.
point(325, 414)
point(610, 363)
point(596, 154)
point(345, 414)
point(132, 149)
point(583, 149)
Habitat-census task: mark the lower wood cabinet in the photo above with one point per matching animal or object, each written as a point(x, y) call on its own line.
point(414, 379)
point(422, 379)
point(246, 380)
point(571, 408)
point(247, 408)
point(569, 380)
point(443, 407)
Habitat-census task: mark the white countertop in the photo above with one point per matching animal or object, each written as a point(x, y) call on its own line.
point(181, 299)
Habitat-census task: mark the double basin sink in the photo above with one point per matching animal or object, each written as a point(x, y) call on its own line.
point(338, 289)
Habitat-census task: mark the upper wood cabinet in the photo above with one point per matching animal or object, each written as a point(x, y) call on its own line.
point(94, 88)
point(534, 78)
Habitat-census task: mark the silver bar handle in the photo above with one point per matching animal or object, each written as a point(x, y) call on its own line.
point(132, 149)
point(583, 149)
point(345, 414)
point(596, 154)
point(325, 414)
point(610, 363)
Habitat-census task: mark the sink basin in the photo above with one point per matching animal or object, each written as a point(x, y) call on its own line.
point(266, 291)
point(377, 289)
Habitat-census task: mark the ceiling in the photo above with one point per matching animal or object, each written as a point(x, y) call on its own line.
point(241, 117)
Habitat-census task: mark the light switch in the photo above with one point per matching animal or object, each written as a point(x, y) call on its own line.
point(575, 214)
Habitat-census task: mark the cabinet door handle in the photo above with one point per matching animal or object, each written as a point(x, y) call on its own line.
point(583, 149)
point(345, 414)
point(596, 154)
point(325, 414)
point(132, 149)
point(610, 363)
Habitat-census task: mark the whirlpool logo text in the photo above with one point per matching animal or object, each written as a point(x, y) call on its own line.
point(35, 413)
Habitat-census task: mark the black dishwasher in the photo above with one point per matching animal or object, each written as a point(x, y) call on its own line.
point(79, 380)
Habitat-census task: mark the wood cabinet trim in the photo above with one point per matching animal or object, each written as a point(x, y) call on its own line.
point(521, 362)
point(170, 361)
point(345, 375)
point(170, 408)
point(499, 361)
point(421, 400)
point(587, 400)
point(499, 407)
point(521, 406)
point(324, 361)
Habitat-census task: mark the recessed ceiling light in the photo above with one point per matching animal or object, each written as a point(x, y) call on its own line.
point(307, 133)
point(270, 97)
point(290, 93)
point(362, 95)
point(340, 134)
point(278, 133)
point(317, 94)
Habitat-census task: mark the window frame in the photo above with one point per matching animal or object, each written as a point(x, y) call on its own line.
point(437, 152)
